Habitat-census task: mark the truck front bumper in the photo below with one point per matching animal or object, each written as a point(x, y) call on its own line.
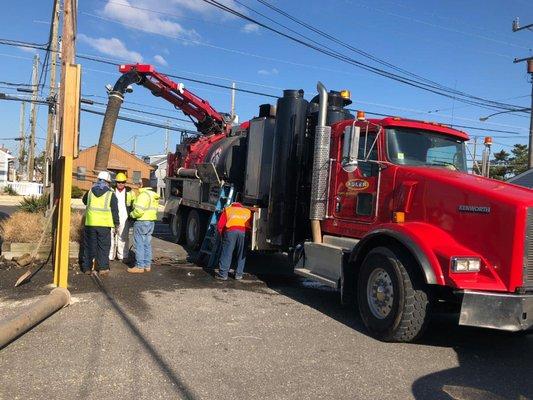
point(508, 312)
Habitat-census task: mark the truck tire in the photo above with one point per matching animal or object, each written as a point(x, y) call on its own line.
point(393, 299)
point(177, 226)
point(195, 229)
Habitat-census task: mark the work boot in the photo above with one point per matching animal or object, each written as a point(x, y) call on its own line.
point(135, 270)
point(103, 272)
point(220, 277)
point(86, 271)
point(147, 269)
point(238, 277)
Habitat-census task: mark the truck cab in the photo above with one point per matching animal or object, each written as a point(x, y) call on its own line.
point(407, 226)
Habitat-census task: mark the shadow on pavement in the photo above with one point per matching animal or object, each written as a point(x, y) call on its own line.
point(493, 365)
point(181, 388)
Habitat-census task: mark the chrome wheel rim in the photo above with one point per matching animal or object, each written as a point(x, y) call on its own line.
point(380, 293)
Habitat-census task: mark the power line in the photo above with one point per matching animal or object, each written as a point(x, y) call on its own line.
point(273, 96)
point(107, 61)
point(350, 47)
point(332, 53)
point(335, 40)
point(469, 99)
point(2, 97)
point(97, 59)
point(141, 122)
point(90, 102)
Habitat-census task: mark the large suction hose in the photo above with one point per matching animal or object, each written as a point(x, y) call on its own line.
point(115, 99)
point(319, 189)
point(30, 316)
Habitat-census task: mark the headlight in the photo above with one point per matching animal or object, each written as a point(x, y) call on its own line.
point(466, 264)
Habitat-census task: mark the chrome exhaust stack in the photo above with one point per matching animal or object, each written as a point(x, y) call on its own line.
point(319, 185)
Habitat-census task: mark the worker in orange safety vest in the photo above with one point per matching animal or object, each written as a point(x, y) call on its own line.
point(232, 226)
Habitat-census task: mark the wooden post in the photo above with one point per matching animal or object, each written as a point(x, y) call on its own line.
point(52, 107)
point(22, 145)
point(71, 112)
point(68, 111)
point(33, 119)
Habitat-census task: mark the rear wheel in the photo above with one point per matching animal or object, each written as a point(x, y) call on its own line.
point(195, 230)
point(393, 299)
point(177, 225)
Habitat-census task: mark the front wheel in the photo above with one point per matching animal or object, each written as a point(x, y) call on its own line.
point(393, 299)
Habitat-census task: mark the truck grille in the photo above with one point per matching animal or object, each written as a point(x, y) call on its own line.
point(528, 250)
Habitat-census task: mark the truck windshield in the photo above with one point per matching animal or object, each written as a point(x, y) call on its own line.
point(418, 147)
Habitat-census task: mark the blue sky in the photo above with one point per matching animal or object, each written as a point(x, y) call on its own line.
point(464, 45)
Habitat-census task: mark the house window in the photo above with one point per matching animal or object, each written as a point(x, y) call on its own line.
point(137, 177)
point(81, 173)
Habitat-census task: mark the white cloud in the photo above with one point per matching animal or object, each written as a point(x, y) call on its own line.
point(145, 20)
point(202, 7)
point(28, 50)
point(112, 47)
point(265, 72)
point(160, 60)
point(250, 28)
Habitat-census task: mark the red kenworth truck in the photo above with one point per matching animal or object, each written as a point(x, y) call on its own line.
point(382, 209)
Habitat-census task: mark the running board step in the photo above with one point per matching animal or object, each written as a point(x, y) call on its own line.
point(310, 275)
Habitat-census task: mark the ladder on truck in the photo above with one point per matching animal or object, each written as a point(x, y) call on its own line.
point(211, 245)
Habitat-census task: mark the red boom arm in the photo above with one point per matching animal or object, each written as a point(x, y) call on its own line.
point(209, 120)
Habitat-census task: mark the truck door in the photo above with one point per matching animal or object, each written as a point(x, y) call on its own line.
point(356, 192)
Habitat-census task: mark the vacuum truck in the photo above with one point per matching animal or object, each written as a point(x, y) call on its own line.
point(384, 210)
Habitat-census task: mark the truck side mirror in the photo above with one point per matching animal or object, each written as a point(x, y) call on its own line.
point(350, 148)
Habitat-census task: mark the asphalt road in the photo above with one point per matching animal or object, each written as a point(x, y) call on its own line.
point(6, 211)
point(178, 333)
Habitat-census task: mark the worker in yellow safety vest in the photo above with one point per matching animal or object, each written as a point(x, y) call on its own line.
point(101, 217)
point(232, 226)
point(145, 214)
point(120, 237)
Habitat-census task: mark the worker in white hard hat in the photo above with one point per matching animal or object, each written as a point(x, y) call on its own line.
point(120, 237)
point(101, 217)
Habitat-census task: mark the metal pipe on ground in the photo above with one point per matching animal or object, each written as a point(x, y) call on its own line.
point(319, 189)
point(12, 328)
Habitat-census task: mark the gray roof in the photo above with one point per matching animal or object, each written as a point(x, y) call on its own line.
point(523, 179)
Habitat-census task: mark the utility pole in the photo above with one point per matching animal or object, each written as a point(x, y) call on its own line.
point(69, 107)
point(166, 137)
point(134, 149)
point(530, 153)
point(52, 98)
point(232, 101)
point(22, 144)
point(33, 118)
point(516, 28)
point(475, 151)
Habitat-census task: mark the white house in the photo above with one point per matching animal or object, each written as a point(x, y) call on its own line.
point(5, 160)
point(158, 174)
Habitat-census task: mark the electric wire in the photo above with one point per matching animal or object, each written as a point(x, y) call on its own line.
point(109, 62)
point(469, 99)
point(97, 59)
